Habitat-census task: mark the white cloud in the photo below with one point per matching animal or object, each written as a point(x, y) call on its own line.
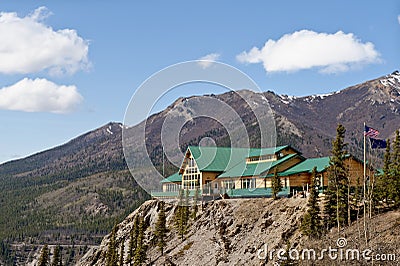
point(331, 53)
point(398, 18)
point(27, 45)
point(207, 60)
point(39, 95)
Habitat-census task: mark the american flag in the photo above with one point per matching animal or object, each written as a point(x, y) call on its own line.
point(370, 132)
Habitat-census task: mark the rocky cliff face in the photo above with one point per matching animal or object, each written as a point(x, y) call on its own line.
point(246, 231)
point(225, 232)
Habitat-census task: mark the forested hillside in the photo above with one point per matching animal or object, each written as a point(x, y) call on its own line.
point(76, 192)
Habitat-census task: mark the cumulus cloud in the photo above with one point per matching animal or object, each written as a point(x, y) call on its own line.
point(28, 45)
point(305, 49)
point(206, 61)
point(39, 95)
point(398, 18)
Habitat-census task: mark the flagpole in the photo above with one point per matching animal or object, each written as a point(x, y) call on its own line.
point(163, 167)
point(365, 163)
point(364, 187)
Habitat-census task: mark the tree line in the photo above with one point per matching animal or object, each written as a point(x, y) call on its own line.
point(344, 203)
point(135, 253)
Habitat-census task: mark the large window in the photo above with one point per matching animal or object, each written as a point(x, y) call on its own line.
point(267, 157)
point(229, 184)
point(191, 176)
point(171, 187)
point(248, 183)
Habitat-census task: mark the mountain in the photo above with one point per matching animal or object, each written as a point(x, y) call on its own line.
point(69, 195)
point(308, 123)
point(376, 102)
point(74, 193)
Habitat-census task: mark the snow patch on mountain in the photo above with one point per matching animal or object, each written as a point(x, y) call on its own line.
point(287, 99)
point(317, 97)
point(109, 130)
point(392, 80)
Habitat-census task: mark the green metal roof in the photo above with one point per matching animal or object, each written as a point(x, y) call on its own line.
point(172, 178)
point(307, 166)
point(219, 159)
point(254, 169)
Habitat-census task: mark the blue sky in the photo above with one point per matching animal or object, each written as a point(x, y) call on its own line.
point(67, 67)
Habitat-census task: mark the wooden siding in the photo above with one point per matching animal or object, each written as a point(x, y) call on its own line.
point(356, 172)
point(288, 150)
point(209, 176)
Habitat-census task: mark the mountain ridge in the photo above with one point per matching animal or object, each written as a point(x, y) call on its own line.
point(88, 176)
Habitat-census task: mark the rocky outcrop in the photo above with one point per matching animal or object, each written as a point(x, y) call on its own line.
point(252, 231)
point(225, 232)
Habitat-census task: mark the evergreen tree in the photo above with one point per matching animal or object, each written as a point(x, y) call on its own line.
point(182, 214)
point(112, 252)
point(178, 215)
point(186, 209)
point(330, 203)
point(276, 184)
point(56, 257)
point(161, 228)
point(336, 205)
point(311, 223)
point(195, 206)
point(383, 181)
point(133, 240)
point(140, 251)
point(394, 185)
point(121, 255)
point(44, 256)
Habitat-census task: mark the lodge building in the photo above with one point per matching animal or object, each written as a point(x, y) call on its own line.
point(241, 172)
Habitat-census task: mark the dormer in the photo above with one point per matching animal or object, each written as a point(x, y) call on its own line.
point(271, 155)
point(261, 158)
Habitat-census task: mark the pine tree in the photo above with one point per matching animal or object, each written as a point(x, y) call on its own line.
point(133, 240)
point(311, 223)
point(44, 256)
point(161, 228)
point(56, 257)
point(195, 207)
point(121, 255)
point(140, 251)
point(112, 252)
point(276, 184)
point(384, 180)
point(182, 214)
point(330, 205)
point(337, 199)
point(394, 185)
point(186, 212)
